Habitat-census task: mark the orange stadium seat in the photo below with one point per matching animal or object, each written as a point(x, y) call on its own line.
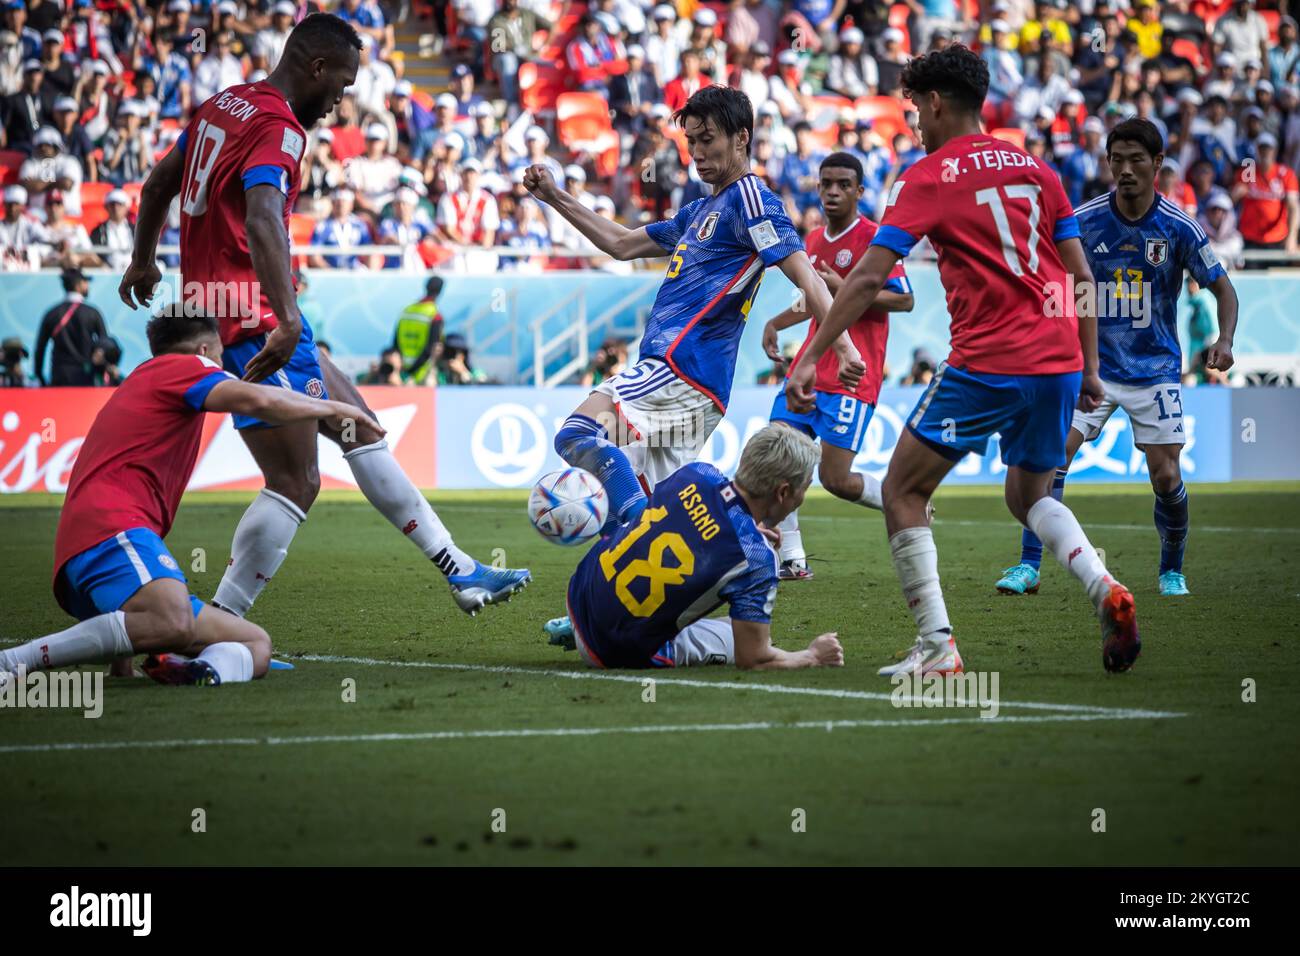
point(133, 190)
point(540, 85)
point(898, 14)
point(1192, 50)
point(888, 118)
point(1009, 134)
point(582, 120)
point(10, 162)
point(92, 203)
point(1274, 20)
point(301, 227)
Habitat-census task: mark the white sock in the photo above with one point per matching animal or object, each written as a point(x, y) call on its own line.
point(232, 661)
point(916, 560)
point(870, 497)
point(791, 539)
point(96, 639)
point(259, 547)
point(386, 486)
point(1060, 533)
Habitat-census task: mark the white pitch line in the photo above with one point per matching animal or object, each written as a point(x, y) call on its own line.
point(1009, 522)
point(1117, 712)
point(827, 725)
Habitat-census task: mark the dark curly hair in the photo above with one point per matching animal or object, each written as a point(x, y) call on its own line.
point(955, 73)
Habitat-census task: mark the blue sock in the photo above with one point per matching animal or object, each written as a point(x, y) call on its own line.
point(1172, 523)
point(1031, 549)
point(583, 443)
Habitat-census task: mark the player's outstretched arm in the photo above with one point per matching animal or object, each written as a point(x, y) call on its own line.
point(163, 185)
point(1091, 392)
point(755, 651)
point(1225, 294)
point(609, 237)
point(279, 406)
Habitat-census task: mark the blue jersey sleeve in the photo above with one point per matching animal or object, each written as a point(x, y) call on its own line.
point(770, 231)
point(266, 176)
point(1198, 257)
point(1067, 227)
point(669, 232)
point(752, 593)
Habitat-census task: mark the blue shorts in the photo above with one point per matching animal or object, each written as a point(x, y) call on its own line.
point(103, 578)
point(839, 420)
point(302, 374)
point(1030, 413)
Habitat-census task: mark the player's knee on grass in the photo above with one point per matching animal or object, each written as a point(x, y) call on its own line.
point(167, 628)
point(258, 643)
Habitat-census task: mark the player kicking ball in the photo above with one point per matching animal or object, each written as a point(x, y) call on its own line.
point(656, 416)
point(1140, 243)
point(1008, 247)
point(842, 412)
point(639, 597)
point(112, 570)
point(237, 170)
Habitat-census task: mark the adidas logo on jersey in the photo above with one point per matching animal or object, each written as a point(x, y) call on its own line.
point(1101, 247)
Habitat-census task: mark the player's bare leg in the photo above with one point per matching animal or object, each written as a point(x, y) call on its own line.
point(157, 620)
point(1171, 516)
point(393, 495)
point(1028, 496)
point(591, 439)
point(1023, 578)
point(286, 456)
point(915, 472)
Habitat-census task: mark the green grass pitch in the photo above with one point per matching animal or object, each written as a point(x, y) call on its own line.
point(582, 770)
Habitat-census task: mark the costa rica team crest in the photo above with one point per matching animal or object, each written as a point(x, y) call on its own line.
point(843, 258)
point(315, 388)
point(706, 228)
point(1157, 251)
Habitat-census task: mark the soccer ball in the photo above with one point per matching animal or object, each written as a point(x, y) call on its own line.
point(568, 506)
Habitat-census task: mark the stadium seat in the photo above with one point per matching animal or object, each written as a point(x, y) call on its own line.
point(1274, 20)
point(301, 227)
point(582, 121)
point(540, 85)
point(92, 194)
point(1192, 50)
point(888, 118)
point(10, 162)
point(898, 16)
point(133, 190)
point(1009, 134)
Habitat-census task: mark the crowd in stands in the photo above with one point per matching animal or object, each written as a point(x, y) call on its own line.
point(94, 92)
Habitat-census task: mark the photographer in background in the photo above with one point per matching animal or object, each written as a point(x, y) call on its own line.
point(12, 353)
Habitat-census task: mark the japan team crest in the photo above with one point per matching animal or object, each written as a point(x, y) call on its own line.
point(706, 228)
point(843, 258)
point(1157, 251)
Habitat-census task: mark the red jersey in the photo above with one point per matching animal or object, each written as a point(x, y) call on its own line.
point(138, 456)
point(871, 331)
point(244, 136)
point(994, 215)
point(1263, 208)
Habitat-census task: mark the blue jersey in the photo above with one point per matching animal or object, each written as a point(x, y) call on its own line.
point(1137, 340)
point(695, 547)
point(720, 246)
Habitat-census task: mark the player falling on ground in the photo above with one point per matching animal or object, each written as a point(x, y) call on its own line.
point(639, 598)
point(657, 415)
point(112, 570)
point(236, 168)
point(1139, 243)
point(1008, 248)
point(842, 412)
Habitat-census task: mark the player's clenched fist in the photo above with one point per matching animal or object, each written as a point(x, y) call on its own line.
point(852, 368)
point(1091, 392)
point(539, 182)
point(799, 386)
point(826, 651)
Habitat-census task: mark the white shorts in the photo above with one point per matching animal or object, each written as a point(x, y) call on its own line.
point(1155, 412)
point(664, 422)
